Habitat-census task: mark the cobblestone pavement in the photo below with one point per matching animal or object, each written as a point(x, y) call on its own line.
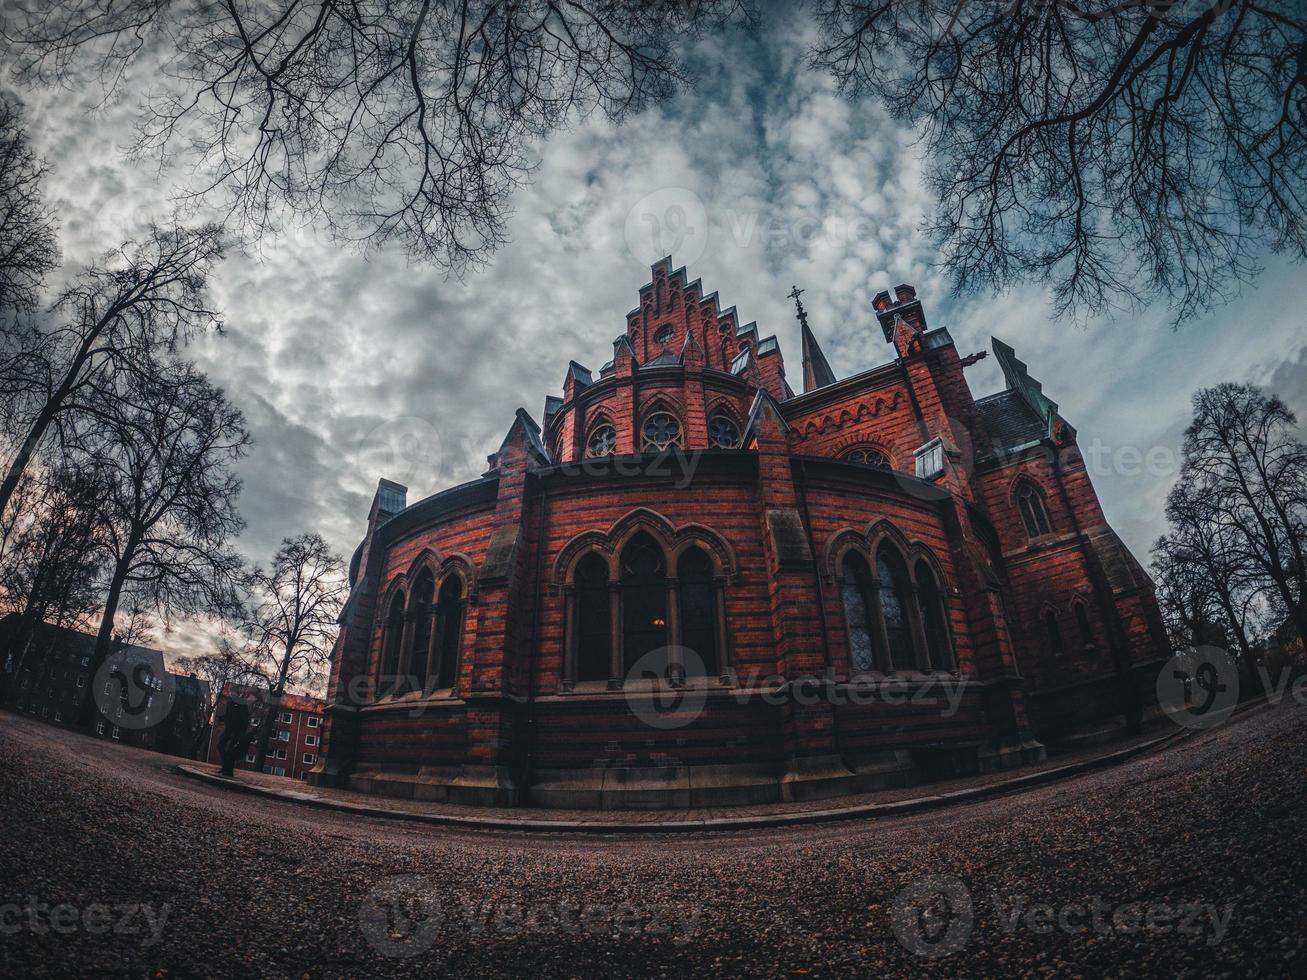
point(1186, 862)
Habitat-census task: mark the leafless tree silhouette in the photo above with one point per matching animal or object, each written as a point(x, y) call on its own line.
point(167, 438)
point(1238, 513)
point(29, 246)
point(293, 608)
point(1115, 151)
point(145, 298)
point(390, 120)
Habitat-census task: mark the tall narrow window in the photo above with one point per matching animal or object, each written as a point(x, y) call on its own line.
point(1033, 514)
point(894, 595)
point(644, 603)
point(449, 615)
point(1053, 632)
point(930, 598)
point(1082, 623)
point(855, 587)
point(698, 610)
point(424, 592)
point(390, 645)
point(593, 621)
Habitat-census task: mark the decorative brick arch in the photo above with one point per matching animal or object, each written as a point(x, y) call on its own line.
point(674, 542)
point(429, 559)
point(461, 565)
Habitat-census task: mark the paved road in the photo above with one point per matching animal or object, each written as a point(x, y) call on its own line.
point(1187, 862)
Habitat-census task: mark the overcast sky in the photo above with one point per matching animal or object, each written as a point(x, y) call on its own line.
point(352, 368)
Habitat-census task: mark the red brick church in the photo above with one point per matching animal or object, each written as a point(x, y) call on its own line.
point(696, 586)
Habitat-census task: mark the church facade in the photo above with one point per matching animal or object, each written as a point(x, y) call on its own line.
point(692, 585)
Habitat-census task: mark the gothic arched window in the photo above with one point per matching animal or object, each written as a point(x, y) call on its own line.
point(867, 456)
point(391, 640)
point(895, 594)
point(419, 650)
point(449, 617)
point(1082, 623)
point(594, 636)
point(660, 431)
point(856, 590)
point(698, 609)
point(644, 603)
point(1033, 514)
point(934, 621)
point(602, 441)
point(723, 433)
point(1052, 632)
point(663, 334)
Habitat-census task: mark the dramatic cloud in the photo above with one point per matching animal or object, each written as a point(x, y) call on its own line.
point(352, 368)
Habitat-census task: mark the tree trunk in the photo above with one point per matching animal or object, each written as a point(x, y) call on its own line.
point(274, 705)
point(103, 641)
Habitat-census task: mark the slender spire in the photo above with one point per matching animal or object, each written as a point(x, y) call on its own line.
point(816, 370)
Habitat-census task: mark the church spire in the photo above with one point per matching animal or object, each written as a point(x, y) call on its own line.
point(816, 371)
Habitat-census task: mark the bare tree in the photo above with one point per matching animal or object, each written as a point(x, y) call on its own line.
point(404, 120)
point(1239, 509)
point(167, 438)
point(294, 605)
point(144, 299)
point(52, 559)
point(29, 246)
point(1112, 150)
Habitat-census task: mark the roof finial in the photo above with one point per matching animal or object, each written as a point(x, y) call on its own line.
point(794, 294)
point(816, 370)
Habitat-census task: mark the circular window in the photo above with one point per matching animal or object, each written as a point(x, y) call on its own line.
point(722, 433)
point(602, 442)
point(868, 457)
point(664, 334)
point(661, 430)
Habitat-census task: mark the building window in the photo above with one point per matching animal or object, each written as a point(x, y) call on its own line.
point(644, 603)
point(856, 589)
point(1082, 623)
point(930, 460)
point(1033, 514)
point(894, 597)
point(81, 680)
point(116, 731)
point(934, 619)
point(281, 753)
point(1052, 632)
point(250, 757)
point(284, 718)
point(283, 736)
point(602, 441)
point(314, 721)
point(310, 740)
point(391, 639)
point(449, 614)
point(867, 456)
point(593, 620)
point(663, 334)
point(660, 431)
point(422, 613)
point(58, 716)
point(698, 611)
point(99, 727)
point(723, 432)
point(308, 758)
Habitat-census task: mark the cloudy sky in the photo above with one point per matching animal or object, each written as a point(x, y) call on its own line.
point(352, 368)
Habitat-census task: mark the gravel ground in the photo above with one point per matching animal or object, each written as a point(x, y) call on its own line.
point(1186, 862)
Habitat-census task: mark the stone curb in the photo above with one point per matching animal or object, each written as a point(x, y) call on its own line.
point(718, 824)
